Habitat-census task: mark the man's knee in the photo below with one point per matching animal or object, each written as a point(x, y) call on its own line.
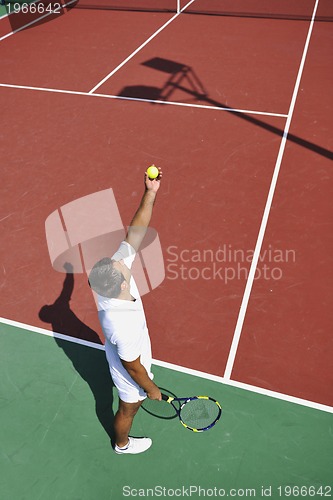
point(128, 409)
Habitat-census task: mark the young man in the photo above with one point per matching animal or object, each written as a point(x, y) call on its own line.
point(121, 314)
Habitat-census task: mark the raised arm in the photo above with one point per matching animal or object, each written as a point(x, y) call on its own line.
point(140, 222)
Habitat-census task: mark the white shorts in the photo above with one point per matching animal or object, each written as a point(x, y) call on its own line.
point(128, 391)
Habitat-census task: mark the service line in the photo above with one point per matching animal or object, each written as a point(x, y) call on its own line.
point(149, 101)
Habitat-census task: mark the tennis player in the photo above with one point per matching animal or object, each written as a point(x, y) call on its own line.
point(122, 317)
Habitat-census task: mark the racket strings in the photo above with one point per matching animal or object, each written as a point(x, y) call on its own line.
point(199, 413)
point(160, 409)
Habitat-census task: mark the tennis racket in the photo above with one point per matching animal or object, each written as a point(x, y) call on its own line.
point(198, 413)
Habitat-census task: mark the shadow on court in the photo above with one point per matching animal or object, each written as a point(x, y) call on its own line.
point(182, 77)
point(27, 14)
point(283, 10)
point(89, 363)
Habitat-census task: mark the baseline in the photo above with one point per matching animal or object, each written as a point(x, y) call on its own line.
point(178, 368)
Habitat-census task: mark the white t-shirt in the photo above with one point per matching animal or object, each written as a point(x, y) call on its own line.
point(124, 326)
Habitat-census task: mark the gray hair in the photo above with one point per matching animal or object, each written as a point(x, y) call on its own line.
point(105, 279)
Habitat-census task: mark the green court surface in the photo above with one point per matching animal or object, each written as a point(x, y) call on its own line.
point(56, 411)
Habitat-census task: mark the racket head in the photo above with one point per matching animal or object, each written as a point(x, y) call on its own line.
point(162, 409)
point(200, 413)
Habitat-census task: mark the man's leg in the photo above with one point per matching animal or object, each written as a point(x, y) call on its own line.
point(123, 421)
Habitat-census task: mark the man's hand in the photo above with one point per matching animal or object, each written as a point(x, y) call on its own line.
point(153, 184)
point(155, 394)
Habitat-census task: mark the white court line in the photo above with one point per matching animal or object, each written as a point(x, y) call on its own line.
point(256, 255)
point(48, 333)
point(139, 48)
point(34, 21)
point(181, 369)
point(149, 101)
point(226, 379)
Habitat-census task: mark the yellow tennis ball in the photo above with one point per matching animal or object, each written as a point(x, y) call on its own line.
point(152, 172)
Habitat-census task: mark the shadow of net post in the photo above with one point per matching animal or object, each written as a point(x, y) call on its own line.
point(89, 363)
point(179, 73)
point(182, 74)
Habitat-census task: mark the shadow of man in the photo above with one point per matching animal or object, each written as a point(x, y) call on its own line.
point(89, 363)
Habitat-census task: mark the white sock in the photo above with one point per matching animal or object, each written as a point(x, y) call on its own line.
point(124, 447)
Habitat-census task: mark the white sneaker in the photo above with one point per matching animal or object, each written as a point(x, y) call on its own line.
point(135, 445)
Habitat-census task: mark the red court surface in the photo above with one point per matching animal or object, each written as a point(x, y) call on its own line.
point(218, 167)
point(70, 149)
point(76, 49)
point(297, 343)
point(241, 74)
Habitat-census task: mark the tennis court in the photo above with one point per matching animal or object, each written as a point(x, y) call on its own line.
point(233, 101)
